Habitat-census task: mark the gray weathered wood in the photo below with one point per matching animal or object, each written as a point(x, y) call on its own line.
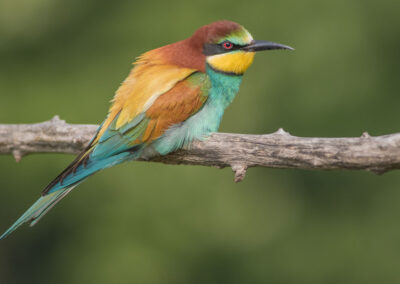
point(238, 151)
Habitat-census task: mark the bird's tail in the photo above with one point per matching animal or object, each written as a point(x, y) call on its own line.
point(73, 175)
point(39, 209)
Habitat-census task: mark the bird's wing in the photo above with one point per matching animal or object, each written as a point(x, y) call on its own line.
point(151, 99)
point(133, 123)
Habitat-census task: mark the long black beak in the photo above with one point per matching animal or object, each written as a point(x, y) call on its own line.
point(258, 45)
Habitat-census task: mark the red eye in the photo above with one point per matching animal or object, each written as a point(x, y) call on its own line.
point(227, 45)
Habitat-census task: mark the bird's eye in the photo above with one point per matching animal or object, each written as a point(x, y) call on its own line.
point(227, 45)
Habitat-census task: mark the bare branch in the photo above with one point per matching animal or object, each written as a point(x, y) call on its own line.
point(238, 151)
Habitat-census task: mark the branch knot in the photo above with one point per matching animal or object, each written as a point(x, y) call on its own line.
point(240, 171)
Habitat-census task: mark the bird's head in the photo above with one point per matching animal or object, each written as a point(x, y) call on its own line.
point(224, 46)
point(228, 47)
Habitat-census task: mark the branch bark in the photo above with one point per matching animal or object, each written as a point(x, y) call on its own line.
point(238, 151)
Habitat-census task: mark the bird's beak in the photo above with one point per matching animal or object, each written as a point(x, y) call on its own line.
point(258, 45)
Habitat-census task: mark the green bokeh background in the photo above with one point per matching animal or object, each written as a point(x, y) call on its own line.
point(152, 223)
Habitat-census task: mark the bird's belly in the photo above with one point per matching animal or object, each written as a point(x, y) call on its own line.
point(204, 122)
point(197, 127)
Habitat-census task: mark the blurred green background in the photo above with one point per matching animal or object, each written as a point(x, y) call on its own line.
point(152, 223)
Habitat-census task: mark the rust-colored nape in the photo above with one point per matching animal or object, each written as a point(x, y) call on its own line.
point(188, 53)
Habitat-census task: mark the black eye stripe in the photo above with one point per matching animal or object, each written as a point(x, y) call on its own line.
point(213, 48)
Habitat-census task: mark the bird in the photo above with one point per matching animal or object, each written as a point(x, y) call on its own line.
point(174, 95)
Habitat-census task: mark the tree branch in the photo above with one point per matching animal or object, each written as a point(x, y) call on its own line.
point(238, 151)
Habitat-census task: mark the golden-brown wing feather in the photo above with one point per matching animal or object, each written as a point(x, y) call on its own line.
point(145, 83)
point(175, 106)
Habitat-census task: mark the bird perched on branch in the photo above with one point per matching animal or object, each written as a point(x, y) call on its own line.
point(174, 95)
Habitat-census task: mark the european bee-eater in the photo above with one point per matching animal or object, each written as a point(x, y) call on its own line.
point(174, 94)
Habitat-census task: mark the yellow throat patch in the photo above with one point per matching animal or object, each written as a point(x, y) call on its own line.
point(235, 62)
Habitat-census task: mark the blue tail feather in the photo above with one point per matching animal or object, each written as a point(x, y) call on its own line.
point(85, 170)
point(38, 209)
point(62, 187)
